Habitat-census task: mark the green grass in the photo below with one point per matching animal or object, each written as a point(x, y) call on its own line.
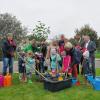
point(97, 55)
point(36, 91)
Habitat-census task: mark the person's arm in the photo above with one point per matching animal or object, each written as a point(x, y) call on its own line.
point(92, 48)
point(48, 53)
point(14, 45)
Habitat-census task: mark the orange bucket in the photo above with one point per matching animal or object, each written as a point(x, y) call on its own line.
point(7, 80)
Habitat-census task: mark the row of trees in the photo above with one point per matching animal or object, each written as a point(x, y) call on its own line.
point(10, 24)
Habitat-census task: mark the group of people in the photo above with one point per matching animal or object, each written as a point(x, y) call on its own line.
point(82, 53)
point(59, 56)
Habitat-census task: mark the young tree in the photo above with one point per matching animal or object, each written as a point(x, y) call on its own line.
point(40, 32)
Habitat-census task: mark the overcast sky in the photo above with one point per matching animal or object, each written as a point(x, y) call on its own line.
point(63, 16)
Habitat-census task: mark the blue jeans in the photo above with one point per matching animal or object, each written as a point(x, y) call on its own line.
point(8, 62)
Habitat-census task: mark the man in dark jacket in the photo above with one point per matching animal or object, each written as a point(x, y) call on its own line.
point(8, 49)
point(91, 47)
point(44, 48)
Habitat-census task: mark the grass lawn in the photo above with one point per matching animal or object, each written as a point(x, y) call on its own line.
point(36, 91)
point(97, 55)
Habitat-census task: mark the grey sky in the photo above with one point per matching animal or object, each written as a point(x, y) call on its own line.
point(63, 16)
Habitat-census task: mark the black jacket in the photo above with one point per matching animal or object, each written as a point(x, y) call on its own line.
point(8, 49)
point(91, 48)
point(76, 56)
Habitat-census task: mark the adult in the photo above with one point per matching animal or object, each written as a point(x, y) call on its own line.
point(44, 52)
point(8, 49)
point(75, 57)
point(91, 47)
point(44, 48)
point(78, 44)
point(35, 47)
point(31, 46)
point(61, 43)
point(1, 42)
point(1, 37)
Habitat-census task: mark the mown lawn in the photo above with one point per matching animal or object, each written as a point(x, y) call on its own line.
point(97, 55)
point(36, 91)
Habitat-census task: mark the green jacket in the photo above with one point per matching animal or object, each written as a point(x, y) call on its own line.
point(27, 48)
point(30, 48)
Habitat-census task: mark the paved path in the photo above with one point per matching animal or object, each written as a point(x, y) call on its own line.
point(16, 66)
point(97, 63)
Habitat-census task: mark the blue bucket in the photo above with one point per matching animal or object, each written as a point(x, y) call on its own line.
point(96, 83)
point(74, 81)
point(90, 79)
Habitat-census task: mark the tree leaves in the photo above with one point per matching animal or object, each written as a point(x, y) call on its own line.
point(10, 24)
point(40, 32)
point(87, 30)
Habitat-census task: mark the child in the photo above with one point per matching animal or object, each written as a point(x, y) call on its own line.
point(21, 67)
point(39, 62)
point(61, 43)
point(30, 64)
point(66, 61)
point(66, 64)
point(53, 55)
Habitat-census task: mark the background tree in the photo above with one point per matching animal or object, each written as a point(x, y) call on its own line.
point(10, 24)
point(87, 30)
point(72, 40)
point(40, 32)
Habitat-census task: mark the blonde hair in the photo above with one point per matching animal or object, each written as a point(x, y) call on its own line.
point(68, 45)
